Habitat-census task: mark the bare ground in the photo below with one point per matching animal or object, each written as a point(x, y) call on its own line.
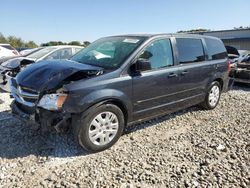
point(190, 148)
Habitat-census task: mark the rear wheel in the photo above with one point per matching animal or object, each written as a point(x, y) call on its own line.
point(99, 127)
point(212, 96)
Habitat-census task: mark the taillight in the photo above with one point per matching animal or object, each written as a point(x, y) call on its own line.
point(229, 65)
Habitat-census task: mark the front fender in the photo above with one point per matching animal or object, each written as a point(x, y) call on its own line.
point(77, 103)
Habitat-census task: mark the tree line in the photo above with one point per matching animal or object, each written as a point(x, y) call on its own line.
point(200, 30)
point(75, 43)
point(17, 42)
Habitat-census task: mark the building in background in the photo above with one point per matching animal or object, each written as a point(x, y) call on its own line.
point(238, 38)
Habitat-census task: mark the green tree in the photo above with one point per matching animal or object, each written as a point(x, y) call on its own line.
point(75, 43)
point(86, 43)
point(53, 43)
point(15, 42)
point(2, 39)
point(193, 30)
point(31, 44)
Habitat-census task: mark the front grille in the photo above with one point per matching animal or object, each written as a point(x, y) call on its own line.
point(28, 90)
point(32, 100)
point(24, 95)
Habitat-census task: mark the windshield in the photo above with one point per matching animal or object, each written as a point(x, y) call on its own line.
point(108, 52)
point(41, 53)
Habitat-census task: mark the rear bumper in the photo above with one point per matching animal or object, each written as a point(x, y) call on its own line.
point(242, 75)
point(240, 80)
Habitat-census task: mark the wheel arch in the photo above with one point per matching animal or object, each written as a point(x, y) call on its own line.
point(119, 103)
point(221, 82)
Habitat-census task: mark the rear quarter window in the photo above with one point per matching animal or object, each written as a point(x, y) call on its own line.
point(215, 49)
point(190, 50)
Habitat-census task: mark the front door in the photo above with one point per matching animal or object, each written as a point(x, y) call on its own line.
point(156, 88)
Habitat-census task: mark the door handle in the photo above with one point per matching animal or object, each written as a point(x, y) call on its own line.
point(171, 75)
point(184, 72)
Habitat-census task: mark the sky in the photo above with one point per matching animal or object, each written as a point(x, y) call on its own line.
point(88, 20)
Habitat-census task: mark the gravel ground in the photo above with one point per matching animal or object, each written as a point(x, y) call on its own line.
point(191, 148)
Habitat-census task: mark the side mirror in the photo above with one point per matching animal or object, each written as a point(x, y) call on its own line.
point(142, 65)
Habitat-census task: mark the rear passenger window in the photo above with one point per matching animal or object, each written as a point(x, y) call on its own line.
point(158, 54)
point(215, 49)
point(190, 50)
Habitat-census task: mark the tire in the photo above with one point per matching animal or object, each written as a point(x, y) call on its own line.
point(210, 102)
point(96, 133)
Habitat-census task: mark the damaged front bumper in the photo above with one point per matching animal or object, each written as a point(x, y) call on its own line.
point(44, 118)
point(25, 108)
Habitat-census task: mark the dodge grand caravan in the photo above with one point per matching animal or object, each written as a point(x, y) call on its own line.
point(120, 80)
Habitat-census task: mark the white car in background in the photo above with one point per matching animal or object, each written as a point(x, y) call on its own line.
point(12, 67)
point(27, 51)
point(6, 50)
point(54, 52)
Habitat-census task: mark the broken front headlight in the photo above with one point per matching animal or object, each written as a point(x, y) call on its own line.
point(52, 101)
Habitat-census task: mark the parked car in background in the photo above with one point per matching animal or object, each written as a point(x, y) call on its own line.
point(121, 80)
point(239, 64)
point(242, 74)
point(3, 59)
point(244, 53)
point(244, 56)
point(26, 51)
point(11, 67)
point(22, 48)
point(7, 50)
point(233, 56)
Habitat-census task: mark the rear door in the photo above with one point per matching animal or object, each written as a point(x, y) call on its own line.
point(194, 69)
point(217, 58)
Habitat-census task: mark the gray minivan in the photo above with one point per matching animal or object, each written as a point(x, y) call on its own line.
point(120, 80)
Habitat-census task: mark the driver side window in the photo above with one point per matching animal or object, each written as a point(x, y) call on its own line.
point(158, 54)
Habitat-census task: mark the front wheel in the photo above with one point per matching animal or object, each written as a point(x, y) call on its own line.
point(99, 127)
point(212, 96)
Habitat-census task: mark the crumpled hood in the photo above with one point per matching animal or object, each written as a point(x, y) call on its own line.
point(15, 62)
point(46, 75)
